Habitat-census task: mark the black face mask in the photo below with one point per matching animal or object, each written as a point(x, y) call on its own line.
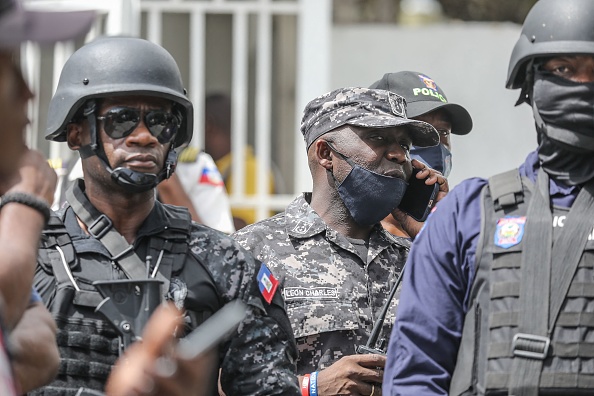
point(564, 115)
point(369, 196)
point(437, 157)
point(564, 111)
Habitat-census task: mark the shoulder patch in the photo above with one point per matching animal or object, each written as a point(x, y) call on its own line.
point(55, 163)
point(267, 283)
point(211, 176)
point(509, 231)
point(189, 154)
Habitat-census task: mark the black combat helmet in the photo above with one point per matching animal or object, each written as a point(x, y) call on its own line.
point(552, 28)
point(119, 66)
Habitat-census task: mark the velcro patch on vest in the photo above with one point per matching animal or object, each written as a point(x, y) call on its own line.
point(310, 293)
point(509, 231)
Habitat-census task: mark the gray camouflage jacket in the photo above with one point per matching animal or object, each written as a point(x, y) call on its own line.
point(332, 296)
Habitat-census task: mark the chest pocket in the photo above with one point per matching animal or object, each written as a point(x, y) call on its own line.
point(320, 317)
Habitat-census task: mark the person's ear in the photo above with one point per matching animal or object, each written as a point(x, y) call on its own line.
point(323, 154)
point(74, 135)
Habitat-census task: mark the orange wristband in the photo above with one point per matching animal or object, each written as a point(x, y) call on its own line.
point(305, 385)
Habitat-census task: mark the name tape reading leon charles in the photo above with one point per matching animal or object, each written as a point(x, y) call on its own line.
point(295, 293)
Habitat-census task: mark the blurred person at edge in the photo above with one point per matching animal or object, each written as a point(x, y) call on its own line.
point(217, 143)
point(28, 355)
point(426, 101)
point(198, 185)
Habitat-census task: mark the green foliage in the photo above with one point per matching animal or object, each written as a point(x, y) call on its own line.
point(487, 10)
point(388, 11)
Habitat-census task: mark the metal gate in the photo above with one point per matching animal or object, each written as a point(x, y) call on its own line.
point(270, 56)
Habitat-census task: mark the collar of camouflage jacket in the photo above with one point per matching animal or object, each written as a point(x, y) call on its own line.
point(303, 222)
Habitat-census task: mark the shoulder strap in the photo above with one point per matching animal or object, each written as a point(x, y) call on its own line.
point(541, 300)
point(60, 253)
point(568, 248)
point(480, 268)
point(56, 243)
point(189, 154)
point(530, 345)
point(506, 189)
point(170, 246)
point(179, 218)
point(101, 227)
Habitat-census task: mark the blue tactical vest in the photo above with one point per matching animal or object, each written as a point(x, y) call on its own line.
point(491, 339)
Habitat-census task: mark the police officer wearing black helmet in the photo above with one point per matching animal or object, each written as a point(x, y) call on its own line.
point(503, 305)
point(121, 104)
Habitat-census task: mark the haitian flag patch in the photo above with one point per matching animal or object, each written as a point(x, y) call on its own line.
point(211, 176)
point(267, 283)
point(509, 231)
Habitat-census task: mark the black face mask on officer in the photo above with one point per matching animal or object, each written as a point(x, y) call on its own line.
point(436, 157)
point(369, 196)
point(564, 115)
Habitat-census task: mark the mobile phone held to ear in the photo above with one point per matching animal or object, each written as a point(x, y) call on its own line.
point(418, 198)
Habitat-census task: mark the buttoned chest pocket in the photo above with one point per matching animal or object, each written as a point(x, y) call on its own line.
point(320, 317)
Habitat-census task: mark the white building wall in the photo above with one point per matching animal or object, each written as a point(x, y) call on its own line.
point(469, 61)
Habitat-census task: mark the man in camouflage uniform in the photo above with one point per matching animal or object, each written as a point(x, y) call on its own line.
point(120, 102)
point(335, 262)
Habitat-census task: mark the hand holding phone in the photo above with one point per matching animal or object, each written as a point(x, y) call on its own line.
point(163, 365)
point(419, 197)
point(215, 330)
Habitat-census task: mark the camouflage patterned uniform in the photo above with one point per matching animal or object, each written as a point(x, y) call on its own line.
point(332, 295)
point(212, 271)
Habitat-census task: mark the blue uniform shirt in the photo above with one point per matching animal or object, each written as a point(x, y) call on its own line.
point(437, 281)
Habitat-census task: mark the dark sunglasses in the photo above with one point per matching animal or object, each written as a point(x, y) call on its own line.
point(120, 122)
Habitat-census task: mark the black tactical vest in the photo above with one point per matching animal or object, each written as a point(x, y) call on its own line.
point(87, 342)
point(490, 339)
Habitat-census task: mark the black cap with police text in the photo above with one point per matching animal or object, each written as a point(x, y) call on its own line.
point(42, 25)
point(364, 107)
point(423, 95)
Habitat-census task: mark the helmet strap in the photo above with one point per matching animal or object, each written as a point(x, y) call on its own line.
point(131, 180)
point(90, 149)
point(137, 182)
point(526, 90)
